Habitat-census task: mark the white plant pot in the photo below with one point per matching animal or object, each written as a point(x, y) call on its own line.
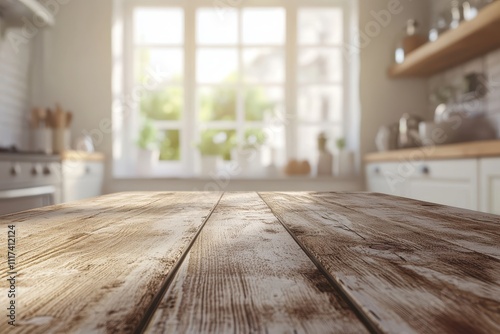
point(209, 165)
point(248, 161)
point(147, 160)
point(346, 166)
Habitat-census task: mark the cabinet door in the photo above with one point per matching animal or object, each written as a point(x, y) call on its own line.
point(385, 178)
point(450, 182)
point(490, 185)
point(82, 180)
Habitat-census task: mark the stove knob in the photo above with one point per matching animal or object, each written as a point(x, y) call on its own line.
point(36, 171)
point(46, 170)
point(15, 170)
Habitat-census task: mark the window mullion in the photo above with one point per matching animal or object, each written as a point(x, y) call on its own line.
point(190, 124)
point(240, 109)
point(291, 88)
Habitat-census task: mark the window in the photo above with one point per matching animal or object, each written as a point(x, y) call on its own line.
point(211, 78)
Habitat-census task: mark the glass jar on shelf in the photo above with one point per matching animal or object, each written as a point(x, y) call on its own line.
point(457, 13)
point(409, 41)
point(440, 25)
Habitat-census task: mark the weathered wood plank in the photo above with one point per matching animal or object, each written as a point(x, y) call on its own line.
point(473, 230)
point(95, 266)
point(245, 274)
point(405, 281)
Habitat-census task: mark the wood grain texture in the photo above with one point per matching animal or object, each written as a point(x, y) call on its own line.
point(245, 274)
point(95, 266)
point(406, 281)
point(454, 47)
point(481, 149)
point(473, 230)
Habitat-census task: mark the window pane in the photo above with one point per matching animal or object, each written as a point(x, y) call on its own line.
point(217, 142)
point(170, 146)
point(320, 65)
point(213, 28)
point(307, 142)
point(159, 66)
point(320, 26)
point(217, 65)
point(264, 26)
point(163, 105)
point(320, 104)
point(217, 104)
point(159, 25)
point(264, 65)
point(264, 104)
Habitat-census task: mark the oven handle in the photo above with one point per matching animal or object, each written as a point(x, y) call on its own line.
point(27, 192)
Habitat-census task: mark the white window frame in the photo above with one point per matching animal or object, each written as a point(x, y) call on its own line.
point(189, 132)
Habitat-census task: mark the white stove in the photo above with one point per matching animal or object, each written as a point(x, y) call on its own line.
point(28, 180)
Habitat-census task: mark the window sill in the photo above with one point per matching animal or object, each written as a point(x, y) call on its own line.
point(237, 183)
point(284, 178)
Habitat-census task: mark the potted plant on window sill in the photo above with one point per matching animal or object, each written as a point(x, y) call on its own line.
point(214, 147)
point(148, 153)
point(345, 160)
point(248, 155)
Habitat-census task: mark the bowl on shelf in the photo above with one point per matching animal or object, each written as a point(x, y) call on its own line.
point(443, 133)
point(457, 128)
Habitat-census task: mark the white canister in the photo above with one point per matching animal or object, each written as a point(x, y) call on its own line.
point(346, 166)
point(61, 140)
point(209, 165)
point(41, 140)
point(147, 160)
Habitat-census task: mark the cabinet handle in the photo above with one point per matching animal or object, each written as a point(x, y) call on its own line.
point(46, 171)
point(35, 171)
point(15, 170)
point(377, 170)
point(426, 170)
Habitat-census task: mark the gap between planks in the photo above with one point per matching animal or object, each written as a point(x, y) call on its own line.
point(357, 309)
point(242, 233)
point(306, 206)
point(171, 275)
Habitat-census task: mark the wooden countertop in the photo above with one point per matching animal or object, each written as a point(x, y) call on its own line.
point(82, 156)
point(478, 149)
point(252, 263)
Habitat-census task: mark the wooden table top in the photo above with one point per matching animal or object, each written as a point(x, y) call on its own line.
point(251, 263)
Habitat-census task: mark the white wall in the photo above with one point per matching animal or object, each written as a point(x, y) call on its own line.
point(384, 100)
point(14, 92)
point(80, 66)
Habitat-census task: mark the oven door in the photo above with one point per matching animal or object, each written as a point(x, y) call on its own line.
point(16, 200)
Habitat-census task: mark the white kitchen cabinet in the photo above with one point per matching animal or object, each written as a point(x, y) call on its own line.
point(82, 179)
point(490, 185)
point(386, 178)
point(451, 182)
point(447, 182)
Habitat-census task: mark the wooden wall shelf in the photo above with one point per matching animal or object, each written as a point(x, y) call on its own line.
point(470, 40)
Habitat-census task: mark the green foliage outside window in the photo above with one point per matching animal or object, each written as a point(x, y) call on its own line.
point(148, 136)
point(217, 104)
point(170, 146)
point(217, 142)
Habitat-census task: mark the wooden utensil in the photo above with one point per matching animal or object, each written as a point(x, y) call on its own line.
point(60, 117)
point(69, 119)
point(50, 118)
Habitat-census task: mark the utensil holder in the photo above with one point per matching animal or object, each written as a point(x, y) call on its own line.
point(41, 141)
point(61, 140)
